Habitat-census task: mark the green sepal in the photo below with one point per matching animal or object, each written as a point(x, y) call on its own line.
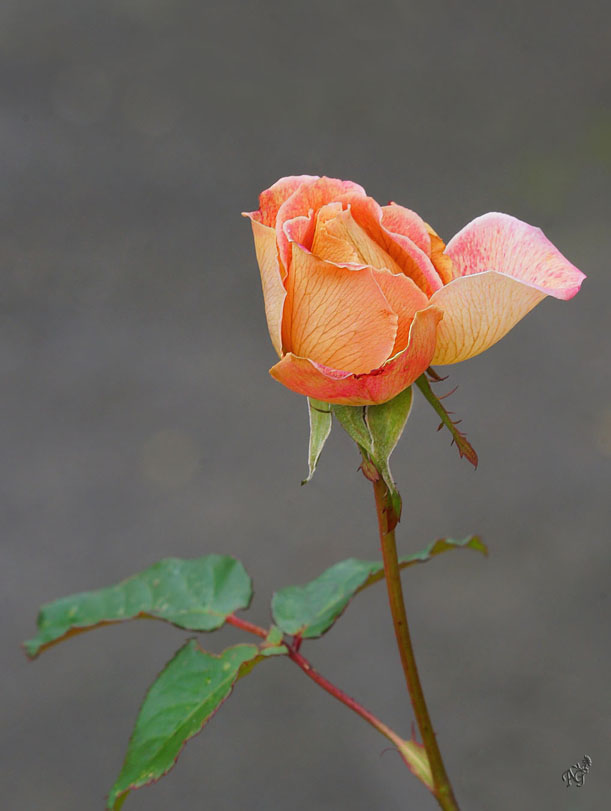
point(183, 698)
point(377, 429)
point(312, 609)
point(386, 423)
point(320, 428)
point(464, 447)
point(352, 420)
point(195, 594)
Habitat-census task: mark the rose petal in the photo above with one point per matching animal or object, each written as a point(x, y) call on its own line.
point(338, 238)
point(310, 196)
point(479, 310)
point(503, 243)
point(271, 199)
point(401, 220)
point(506, 267)
point(441, 261)
point(405, 298)
point(301, 230)
point(336, 316)
point(314, 380)
point(274, 292)
point(411, 259)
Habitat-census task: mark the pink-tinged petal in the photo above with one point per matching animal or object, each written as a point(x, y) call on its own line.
point(301, 230)
point(336, 316)
point(405, 298)
point(411, 259)
point(503, 243)
point(338, 238)
point(479, 310)
point(401, 220)
point(310, 196)
point(271, 199)
point(314, 380)
point(274, 292)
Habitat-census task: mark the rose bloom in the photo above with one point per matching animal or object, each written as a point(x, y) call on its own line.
point(360, 298)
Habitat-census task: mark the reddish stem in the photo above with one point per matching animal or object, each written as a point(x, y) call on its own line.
point(304, 664)
point(350, 702)
point(250, 627)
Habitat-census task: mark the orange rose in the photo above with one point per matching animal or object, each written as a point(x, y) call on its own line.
point(360, 298)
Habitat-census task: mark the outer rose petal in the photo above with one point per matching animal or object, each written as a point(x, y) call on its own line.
point(405, 298)
point(274, 292)
point(271, 199)
point(310, 196)
point(336, 316)
point(503, 243)
point(478, 311)
point(313, 380)
point(506, 267)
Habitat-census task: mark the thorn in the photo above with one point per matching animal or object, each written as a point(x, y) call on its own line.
point(434, 376)
point(449, 394)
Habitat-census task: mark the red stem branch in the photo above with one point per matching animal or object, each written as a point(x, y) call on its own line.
point(321, 681)
point(250, 627)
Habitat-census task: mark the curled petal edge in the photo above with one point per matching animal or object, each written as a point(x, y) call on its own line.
point(274, 292)
point(305, 377)
point(510, 246)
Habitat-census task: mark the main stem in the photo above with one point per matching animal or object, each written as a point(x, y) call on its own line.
point(387, 521)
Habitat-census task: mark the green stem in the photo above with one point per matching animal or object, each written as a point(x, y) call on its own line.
point(387, 521)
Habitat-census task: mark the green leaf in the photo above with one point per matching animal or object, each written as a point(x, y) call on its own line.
point(185, 695)
point(458, 438)
point(274, 650)
point(386, 423)
point(311, 610)
point(320, 428)
point(195, 594)
point(438, 547)
point(273, 645)
point(275, 636)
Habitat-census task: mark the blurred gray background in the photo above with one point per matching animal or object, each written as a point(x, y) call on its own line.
point(139, 420)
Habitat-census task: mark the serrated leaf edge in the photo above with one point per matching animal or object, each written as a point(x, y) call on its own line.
point(434, 549)
point(32, 649)
point(244, 668)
